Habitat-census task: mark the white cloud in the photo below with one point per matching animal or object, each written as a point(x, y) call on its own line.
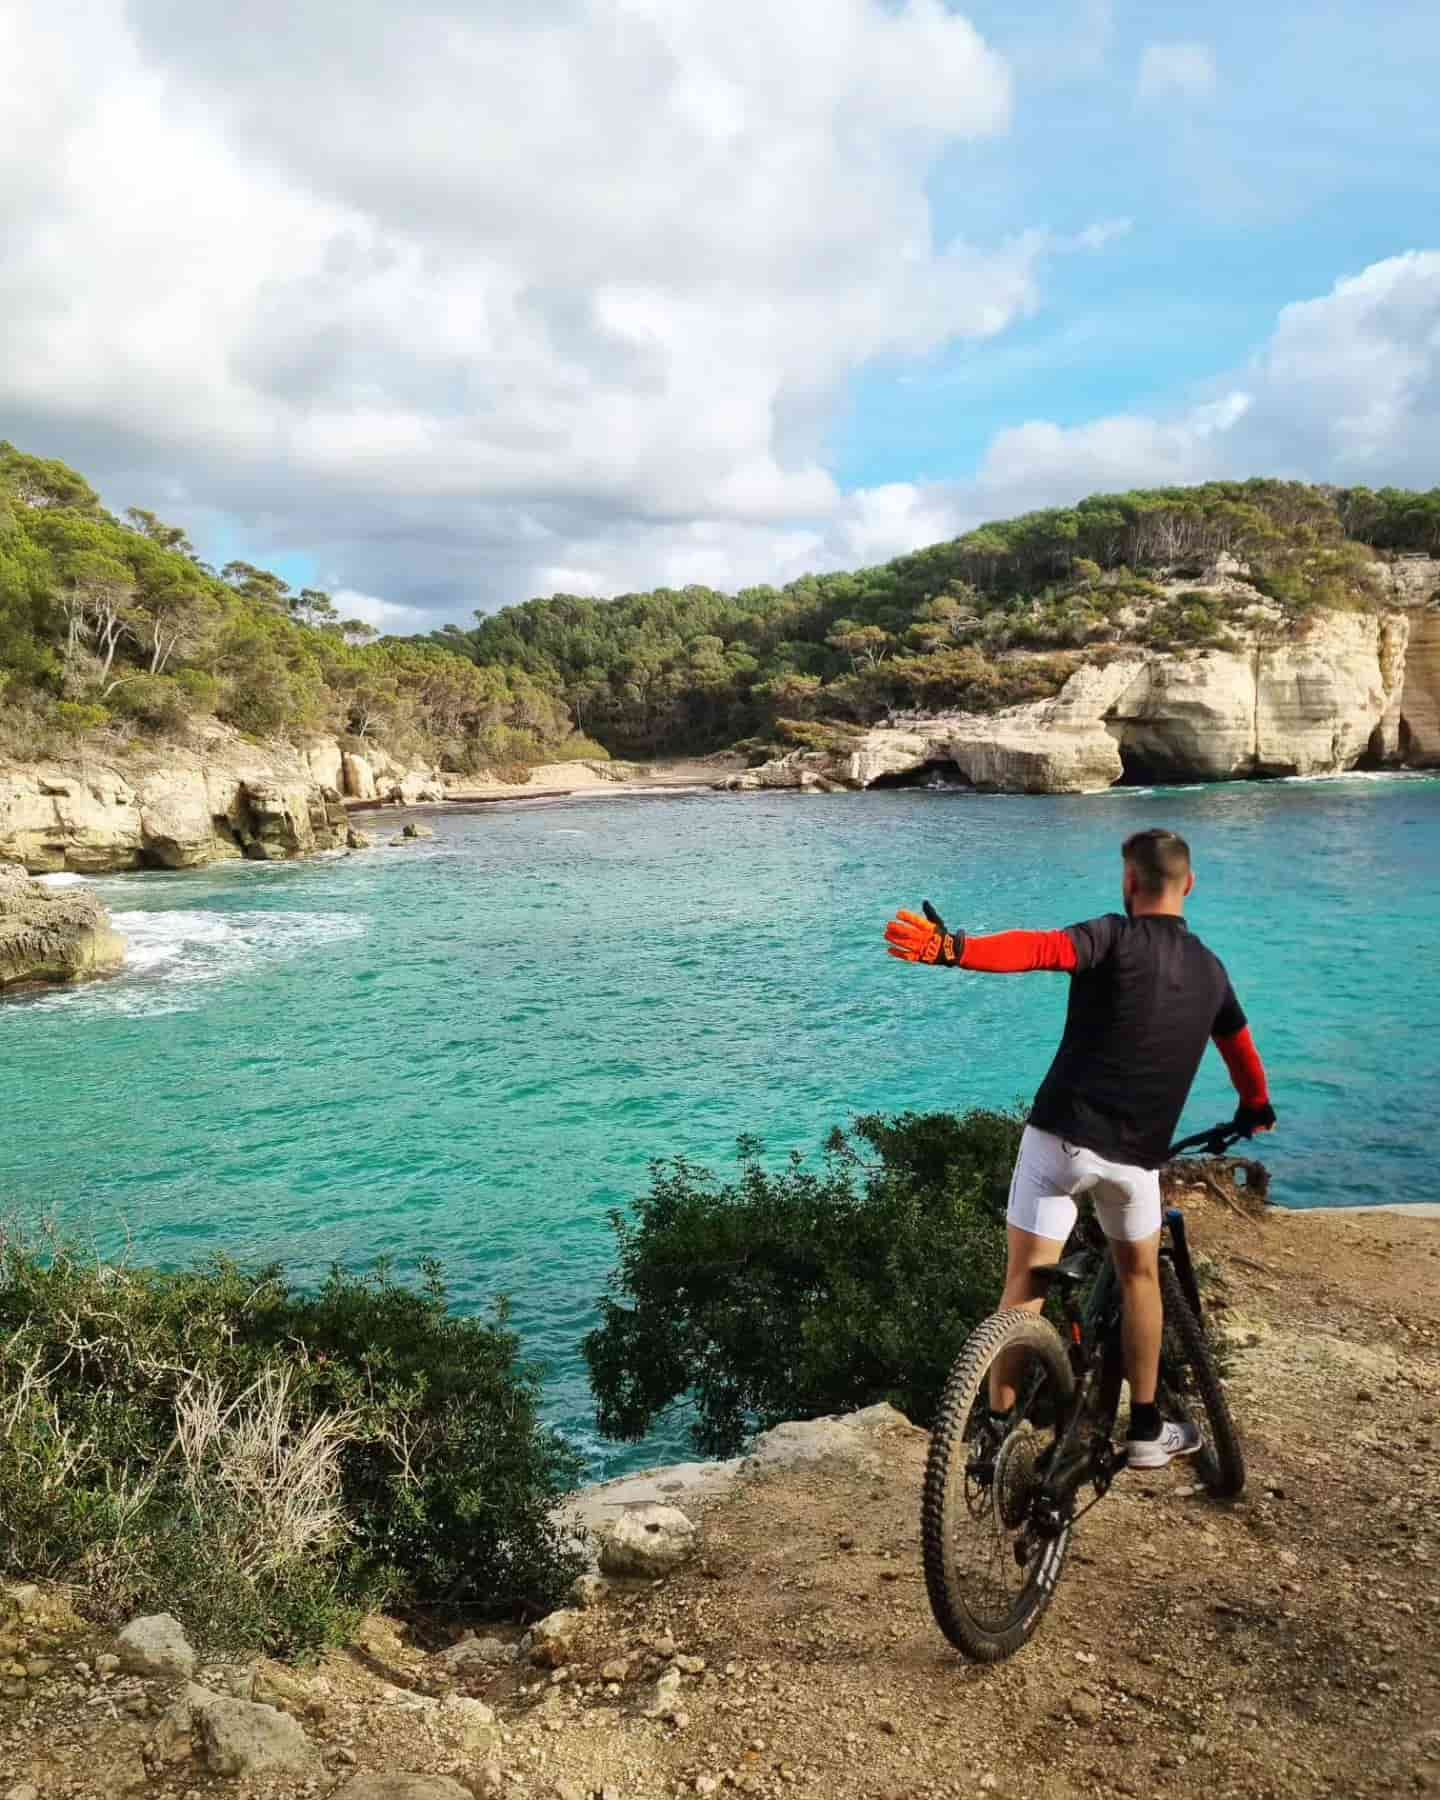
point(384, 615)
point(1347, 389)
point(1171, 71)
point(483, 283)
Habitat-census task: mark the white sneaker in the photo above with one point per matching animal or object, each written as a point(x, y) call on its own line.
point(1153, 1453)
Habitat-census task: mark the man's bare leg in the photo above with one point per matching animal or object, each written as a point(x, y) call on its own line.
point(1138, 1266)
point(1026, 1252)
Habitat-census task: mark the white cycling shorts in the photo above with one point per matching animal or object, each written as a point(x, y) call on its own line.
point(1049, 1173)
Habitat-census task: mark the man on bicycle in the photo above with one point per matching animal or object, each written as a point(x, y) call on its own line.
point(1145, 995)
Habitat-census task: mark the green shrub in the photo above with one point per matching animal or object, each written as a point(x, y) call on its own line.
point(77, 716)
point(266, 1463)
point(577, 748)
point(808, 1291)
point(158, 702)
point(201, 689)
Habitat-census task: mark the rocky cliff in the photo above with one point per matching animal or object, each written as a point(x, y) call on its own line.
point(1345, 689)
point(48, 936)
point(220, 798)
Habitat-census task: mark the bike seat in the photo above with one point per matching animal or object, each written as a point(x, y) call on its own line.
point(1070, 1271)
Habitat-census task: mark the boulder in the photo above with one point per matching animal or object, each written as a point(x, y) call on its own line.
point(416, 787)
point(19, 1597)
point(172, 1740)
point(280, 823)
point(359, 840)
point(587, 1590)
point(359, 777)
point(155, 1645)
point(272, 1684)
point(326, 763)
point(548, 1642)
point(466, 1725)
point(239, 1737)
point(402, 1787)
point(416, 831)
point(472, 1651)
point(648, 1542)
point(661, 1698)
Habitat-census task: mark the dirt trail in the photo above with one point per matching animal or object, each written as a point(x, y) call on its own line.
point(1286, 1646)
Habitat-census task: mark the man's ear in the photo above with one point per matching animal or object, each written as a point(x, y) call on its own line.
point(1189, 884)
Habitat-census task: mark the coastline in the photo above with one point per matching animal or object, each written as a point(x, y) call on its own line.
point(565, 781)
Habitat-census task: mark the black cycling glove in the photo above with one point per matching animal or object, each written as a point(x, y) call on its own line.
point(1251, 1119)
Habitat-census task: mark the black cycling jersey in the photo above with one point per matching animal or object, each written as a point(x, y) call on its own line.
point(1145, 998)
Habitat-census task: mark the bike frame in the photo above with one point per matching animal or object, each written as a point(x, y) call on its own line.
point(1082, 1454)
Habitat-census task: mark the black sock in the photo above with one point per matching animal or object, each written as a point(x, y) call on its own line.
point(1144, 1421)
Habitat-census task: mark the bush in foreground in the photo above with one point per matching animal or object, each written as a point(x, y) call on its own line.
point(268, 1464)
point(811, 1291)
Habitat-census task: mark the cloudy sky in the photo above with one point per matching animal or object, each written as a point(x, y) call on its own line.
point(447, 305)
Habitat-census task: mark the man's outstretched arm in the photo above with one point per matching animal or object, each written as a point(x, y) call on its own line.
point(926, 940)
point(1020, 952)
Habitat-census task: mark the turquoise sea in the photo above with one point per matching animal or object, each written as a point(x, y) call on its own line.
point(474, 1046)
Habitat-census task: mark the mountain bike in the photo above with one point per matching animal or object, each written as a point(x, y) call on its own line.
point(1002, 1499)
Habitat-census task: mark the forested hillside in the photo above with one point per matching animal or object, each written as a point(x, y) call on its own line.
point(997, 616)
point(114, 629)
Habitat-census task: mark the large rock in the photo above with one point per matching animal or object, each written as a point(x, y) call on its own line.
point(549, 1640)
point(359, 777)
point(650, 1541)
point(49, 936)
point(155, 1645)
point(326, 763)
point(402, 1787)
point(239, 1737)
point(473, 1652)
point(466, 1725)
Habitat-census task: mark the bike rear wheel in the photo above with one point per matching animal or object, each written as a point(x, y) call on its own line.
point(1191, 1389)
point(989, 1573)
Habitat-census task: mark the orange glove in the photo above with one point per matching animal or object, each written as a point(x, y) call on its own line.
point(917, 940)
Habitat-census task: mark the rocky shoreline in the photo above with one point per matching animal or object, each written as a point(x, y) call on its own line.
point(1343, 691)
point(1339, 691)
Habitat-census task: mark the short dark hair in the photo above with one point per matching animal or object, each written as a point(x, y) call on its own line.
point(1159, 858)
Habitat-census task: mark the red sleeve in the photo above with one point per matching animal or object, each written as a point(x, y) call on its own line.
point(1018, 952)
point(1247, 1071)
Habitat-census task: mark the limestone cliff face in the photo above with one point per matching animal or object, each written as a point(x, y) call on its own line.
point(47, 936)
point(178, 808)
point(1349, 687)
point(1418, 732)
point(1311, 706)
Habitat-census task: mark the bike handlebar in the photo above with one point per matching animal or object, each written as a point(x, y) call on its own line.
point(1214, 1142)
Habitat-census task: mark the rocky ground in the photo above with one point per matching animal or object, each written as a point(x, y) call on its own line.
point(1286, 1646)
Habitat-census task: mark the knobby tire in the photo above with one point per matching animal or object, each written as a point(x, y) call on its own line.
point(944, 1505)
point(1220, 1462)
